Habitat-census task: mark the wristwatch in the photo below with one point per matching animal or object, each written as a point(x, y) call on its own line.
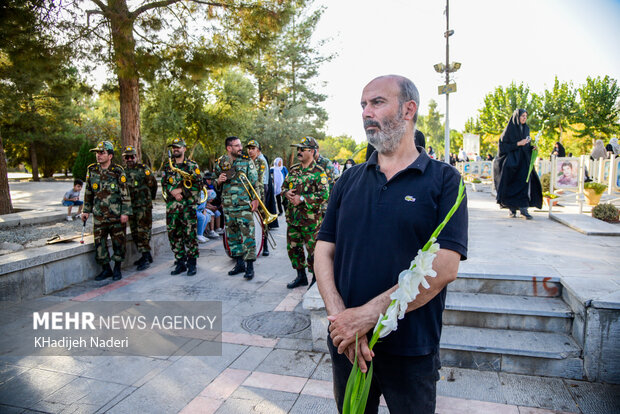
point(302, 199)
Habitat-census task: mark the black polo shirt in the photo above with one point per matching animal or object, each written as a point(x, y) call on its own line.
point(378, 226)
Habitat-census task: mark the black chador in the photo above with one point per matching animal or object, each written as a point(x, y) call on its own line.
point(511, 165)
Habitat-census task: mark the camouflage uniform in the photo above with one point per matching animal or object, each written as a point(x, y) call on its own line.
point(107, 198)
point(303, 221)
point(236, 204)
point(329, 169)
point(142, 189)
point(261, 168)
point(181, 217)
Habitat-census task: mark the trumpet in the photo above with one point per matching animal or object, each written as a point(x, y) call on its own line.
point(187, 177)
point(266, 217)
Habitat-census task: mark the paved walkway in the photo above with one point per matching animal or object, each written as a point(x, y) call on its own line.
point(282, 374)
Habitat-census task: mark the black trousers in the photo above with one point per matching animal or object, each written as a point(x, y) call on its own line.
point(408, 383)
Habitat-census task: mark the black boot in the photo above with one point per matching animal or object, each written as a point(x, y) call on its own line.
point(117, 271)
point(239, 267)
point(180, 267)
point(249, 270)
point(525, 214)
point(143, 263)
point(266, 247)
point(300, 280)
point(313, 281)
point(149, 257)
point(191, 266)
point(105, 273)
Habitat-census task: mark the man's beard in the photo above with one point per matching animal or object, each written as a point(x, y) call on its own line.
point(389, 135)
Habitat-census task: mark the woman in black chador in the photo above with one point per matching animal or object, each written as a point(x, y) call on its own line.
point(511, 165)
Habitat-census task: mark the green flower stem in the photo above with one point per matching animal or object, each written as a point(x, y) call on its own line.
point(358, 385)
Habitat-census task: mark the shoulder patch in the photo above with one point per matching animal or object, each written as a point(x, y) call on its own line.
point(147, 172)
point(123, 179)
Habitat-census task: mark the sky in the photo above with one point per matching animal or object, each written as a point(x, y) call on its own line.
point(496, 41)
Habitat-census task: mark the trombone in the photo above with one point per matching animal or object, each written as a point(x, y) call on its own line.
point(266, 217)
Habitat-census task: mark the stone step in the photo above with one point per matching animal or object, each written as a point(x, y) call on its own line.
point(507, 285)
point(524, 313)
point(523, 352)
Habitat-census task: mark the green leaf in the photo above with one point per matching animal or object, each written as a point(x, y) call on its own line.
point(365, 390)
point(346, 404)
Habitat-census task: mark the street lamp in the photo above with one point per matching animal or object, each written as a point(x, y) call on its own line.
point(447, 68)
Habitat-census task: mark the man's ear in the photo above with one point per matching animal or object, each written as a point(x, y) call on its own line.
point(409, 108)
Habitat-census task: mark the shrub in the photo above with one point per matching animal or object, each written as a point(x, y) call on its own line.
point(82, 161)
point(606, 212)
point(545, 181)
point(597, 187)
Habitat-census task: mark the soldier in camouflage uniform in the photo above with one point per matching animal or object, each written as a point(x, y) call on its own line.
point(238, 205)
point(262, 167)
point(107, 198)
point(142, 189)
point(329, 169)
point(306, 187)
point(181, 192)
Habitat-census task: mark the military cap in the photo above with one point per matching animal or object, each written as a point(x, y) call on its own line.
point(307, 142)
point(253, 143)
point(103, 146)
point(209, 176)
point(129, 150)
point(177, 142)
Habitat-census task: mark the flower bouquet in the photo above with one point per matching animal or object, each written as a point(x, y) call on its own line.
point(409, 281)
point(534, 155)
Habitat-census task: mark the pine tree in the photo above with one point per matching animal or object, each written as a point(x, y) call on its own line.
point(83, 160)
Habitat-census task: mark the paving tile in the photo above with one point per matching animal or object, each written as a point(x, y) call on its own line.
point(311, 404)
point(8, 371)
point(290, 302)
point(470, 384)
point(257, 400)
point(532, 410)
point(276, 382)
point(121, 369)
point(541, 392)
point(449, 405)
point(319, 388)
point(118, 398)
point(289, 362)
point(7, 409)
point(248, 339)
point(595, 398)
point(177, 385)
point(32, 386)
point(80, 395)
point(251, 358)
point(225, 384)
point(202, 405)
point(323, 370)
point(295, 344)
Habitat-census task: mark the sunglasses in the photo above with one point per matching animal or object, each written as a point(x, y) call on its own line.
point(130, 157)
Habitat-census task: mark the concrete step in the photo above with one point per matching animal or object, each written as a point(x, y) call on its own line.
point(523, 352)
point(507, 285)
point(524, 313)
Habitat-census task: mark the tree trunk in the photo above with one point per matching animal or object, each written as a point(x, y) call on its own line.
point(34, 163)
point(121, 22)
point(6, 207)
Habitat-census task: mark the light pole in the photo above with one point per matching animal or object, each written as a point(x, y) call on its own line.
point(448, 88)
